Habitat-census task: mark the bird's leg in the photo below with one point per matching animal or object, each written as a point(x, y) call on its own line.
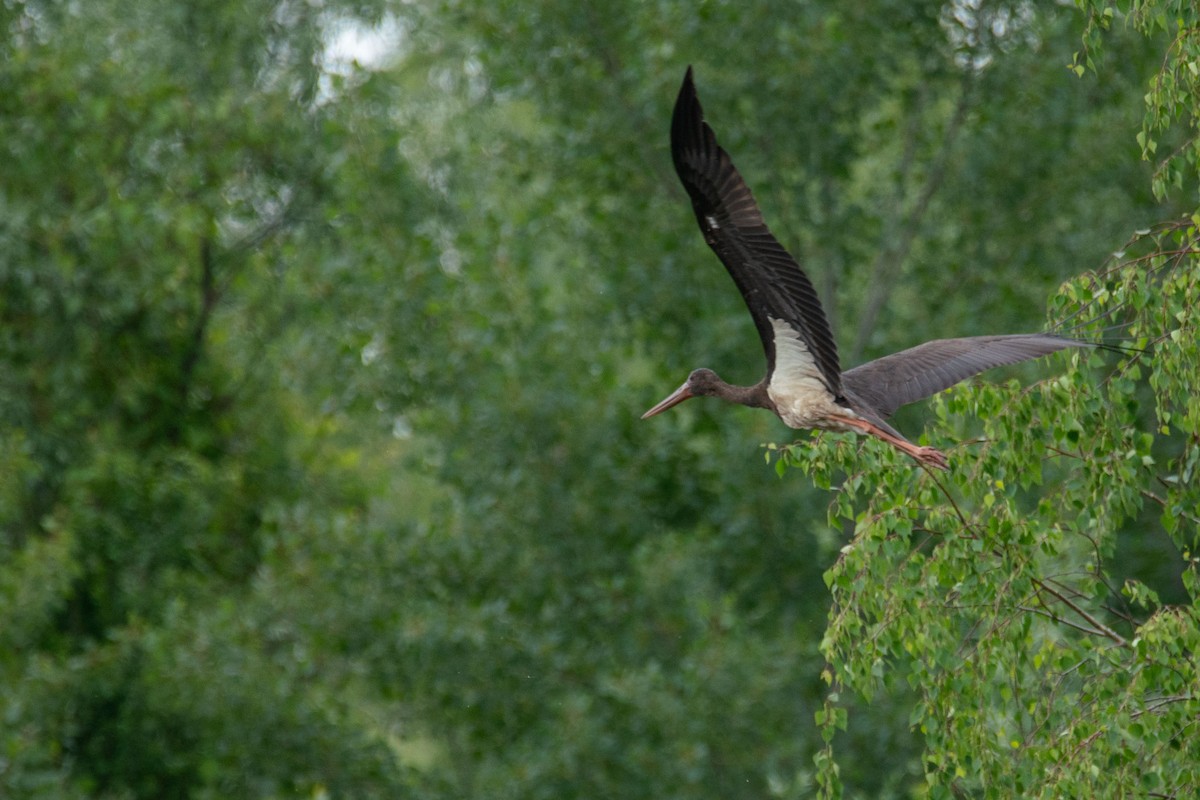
point(926, 455)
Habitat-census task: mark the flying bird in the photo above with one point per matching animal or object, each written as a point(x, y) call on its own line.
point(804, 384)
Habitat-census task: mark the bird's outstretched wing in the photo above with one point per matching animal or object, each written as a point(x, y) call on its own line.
point(770, 280)
point(887, 383)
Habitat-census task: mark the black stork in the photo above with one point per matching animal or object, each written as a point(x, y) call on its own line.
point(804, 384)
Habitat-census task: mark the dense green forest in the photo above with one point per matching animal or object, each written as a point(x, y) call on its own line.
point(325, 328)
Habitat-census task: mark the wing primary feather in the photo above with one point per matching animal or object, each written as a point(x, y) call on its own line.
point(769, 279)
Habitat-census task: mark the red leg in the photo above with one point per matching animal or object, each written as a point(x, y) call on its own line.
point(926, 455)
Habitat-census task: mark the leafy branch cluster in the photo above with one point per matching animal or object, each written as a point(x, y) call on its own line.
point(1174, 91)
point(994, 593)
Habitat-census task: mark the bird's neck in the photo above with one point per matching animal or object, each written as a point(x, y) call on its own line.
point(754, 396)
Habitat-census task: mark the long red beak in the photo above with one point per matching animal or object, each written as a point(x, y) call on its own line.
point(675, 398)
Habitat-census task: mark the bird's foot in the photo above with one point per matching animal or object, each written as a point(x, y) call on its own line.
point(930, 456)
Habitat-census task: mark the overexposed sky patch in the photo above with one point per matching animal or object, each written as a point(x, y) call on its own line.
point(351, 43)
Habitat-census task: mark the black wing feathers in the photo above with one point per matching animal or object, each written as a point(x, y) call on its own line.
point(769, 279)
point(887, 383)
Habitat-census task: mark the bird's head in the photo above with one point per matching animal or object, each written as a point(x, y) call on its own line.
point(700, 383)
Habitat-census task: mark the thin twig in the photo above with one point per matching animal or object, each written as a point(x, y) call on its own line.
point(1055, 618)
point(1101, 628)
point(1162, 701)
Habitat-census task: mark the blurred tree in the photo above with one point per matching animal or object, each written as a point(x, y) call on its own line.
point(172, 188)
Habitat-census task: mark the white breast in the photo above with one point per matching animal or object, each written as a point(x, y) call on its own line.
point(796, 387)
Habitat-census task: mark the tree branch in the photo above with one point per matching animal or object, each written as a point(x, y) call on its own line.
point(1100, 628)
point(1055, 618)
point(209, 295)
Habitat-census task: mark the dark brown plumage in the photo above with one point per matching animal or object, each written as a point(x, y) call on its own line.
point(804, 384)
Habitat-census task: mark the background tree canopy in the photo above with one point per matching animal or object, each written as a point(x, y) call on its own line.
point(321, 471)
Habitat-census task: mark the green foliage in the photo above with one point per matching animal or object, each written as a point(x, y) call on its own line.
point(1172, 89)
point(992, 592)
point(162, 173)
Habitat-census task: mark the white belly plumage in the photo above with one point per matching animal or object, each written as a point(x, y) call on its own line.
point(796, 387)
